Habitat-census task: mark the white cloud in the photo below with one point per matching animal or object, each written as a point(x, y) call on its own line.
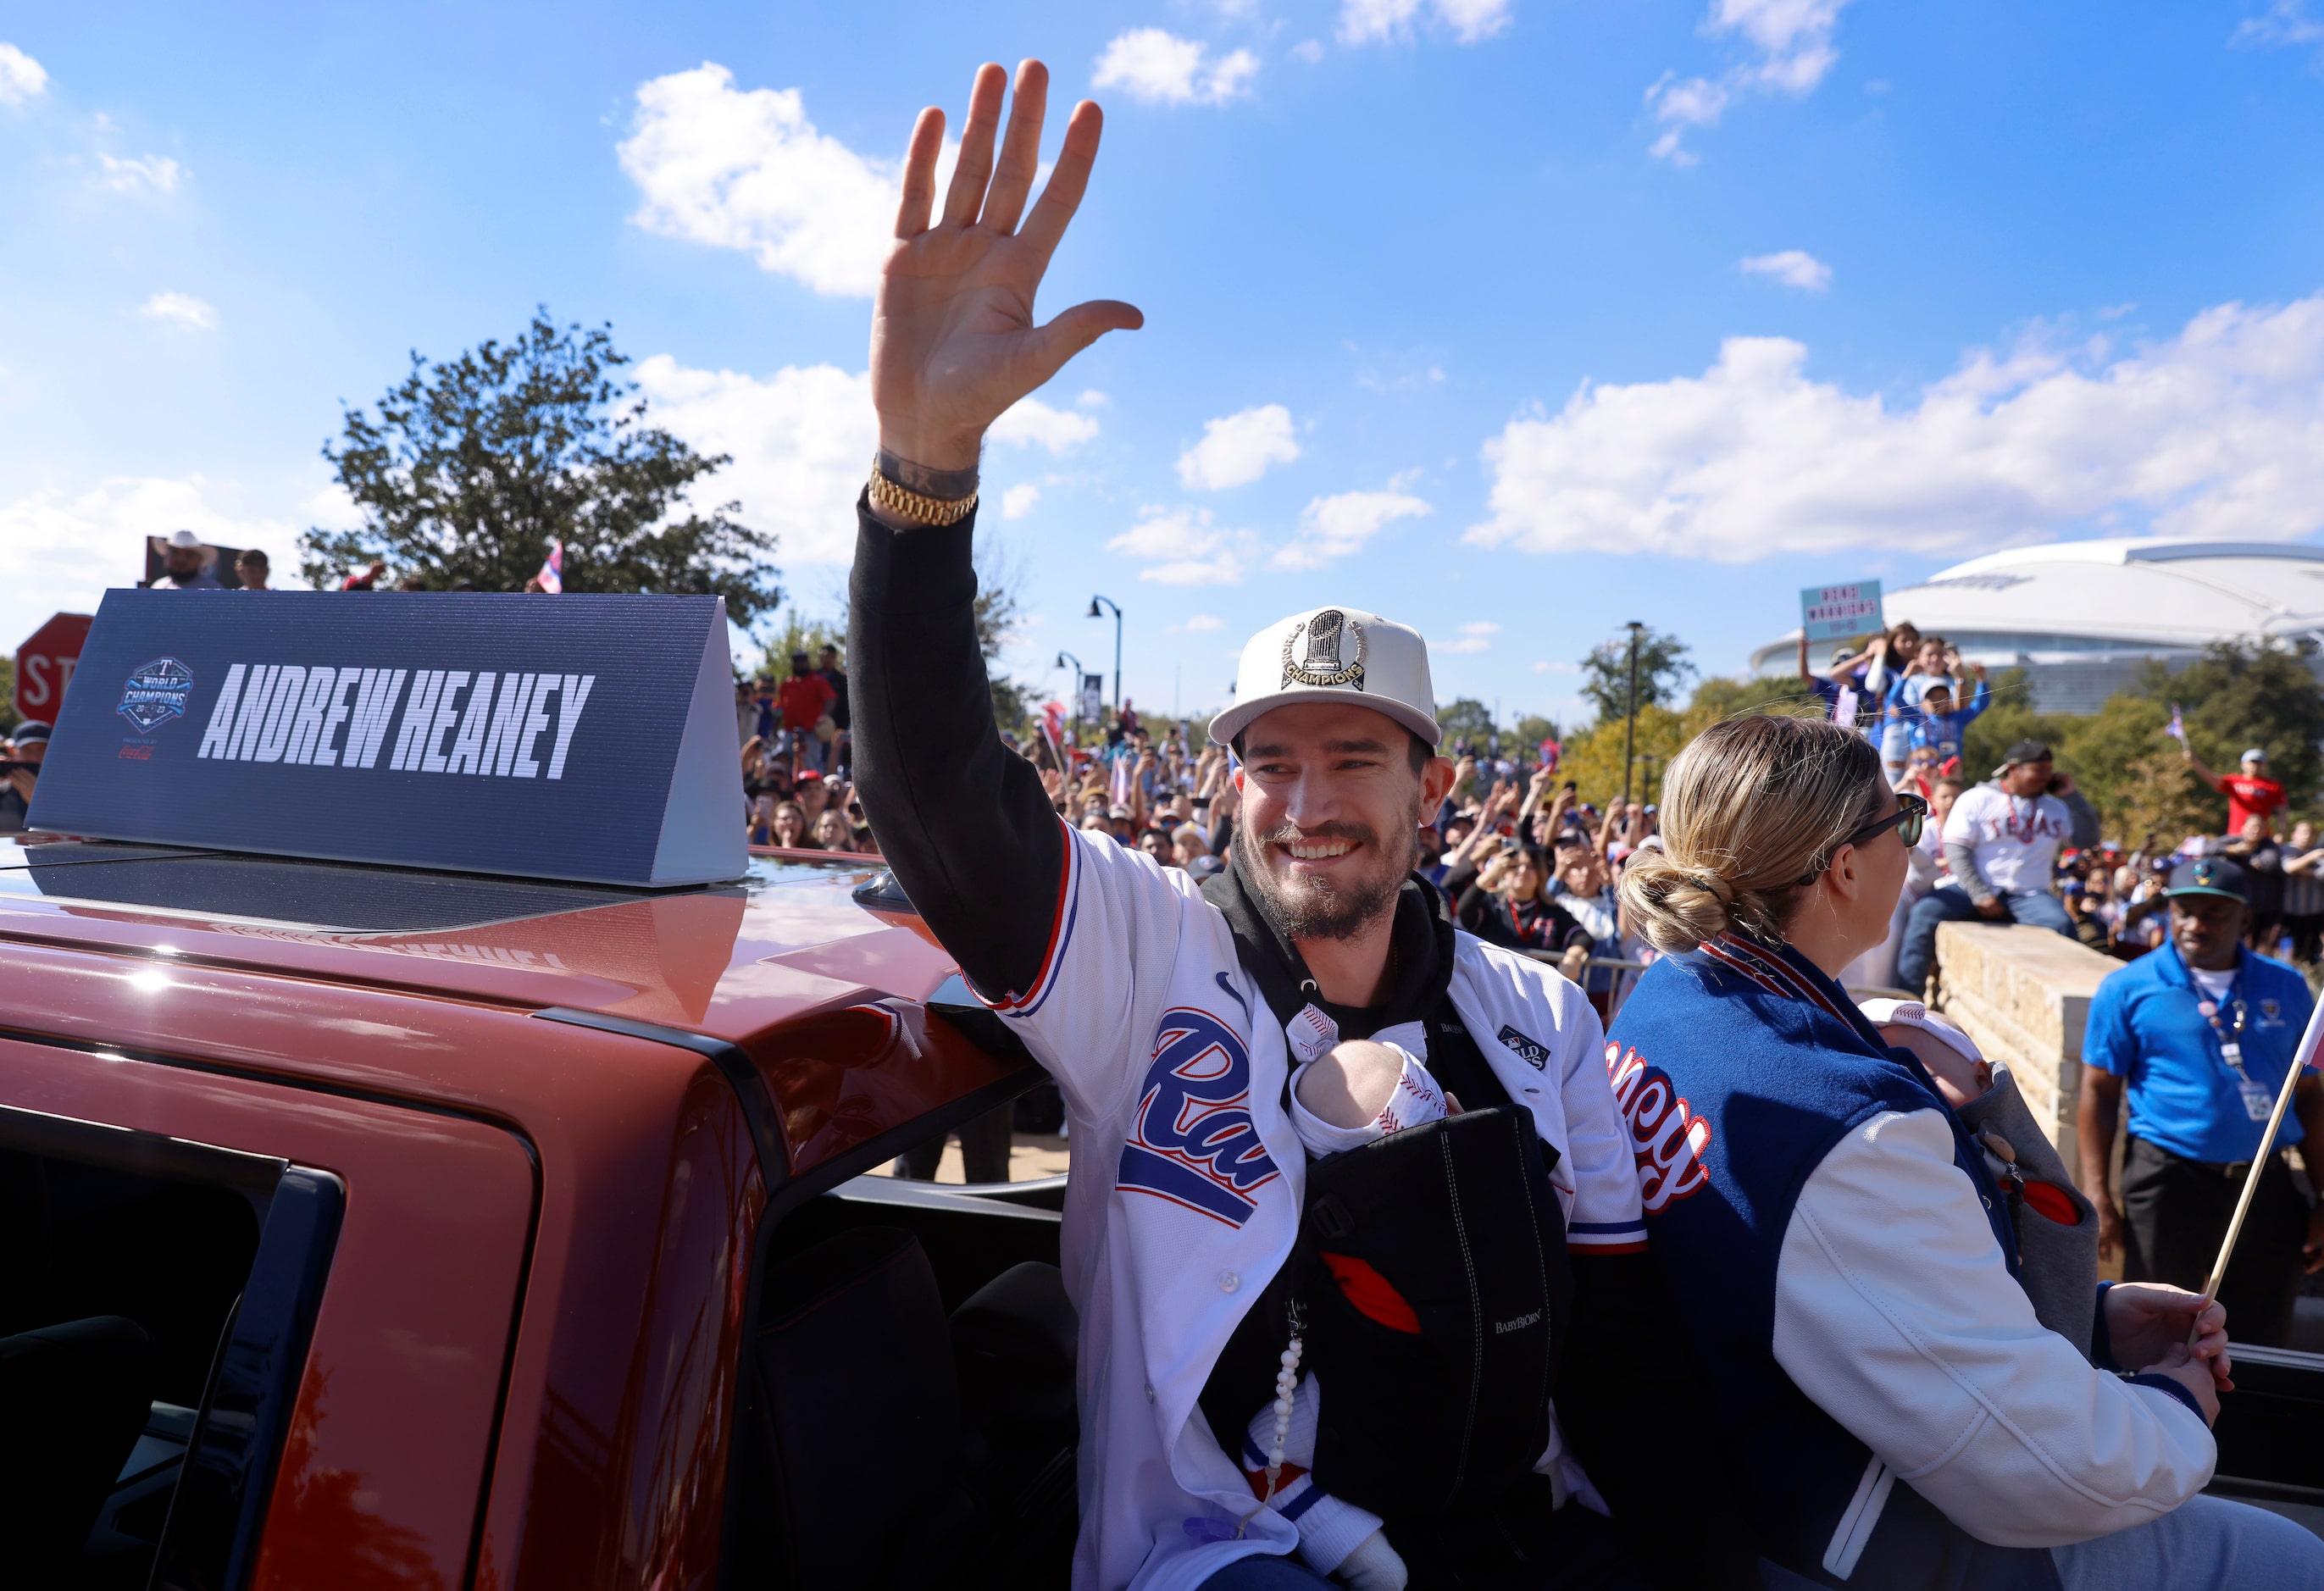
point(800, 440)
point(2215, 432)
point(183, 308)
point(1158, 67)
point(145, 174)
point(1548, 667)
point(1019, 500)
point(1030, 423)
point(1474, 638)
point(1092, 397)
point(1793, 39)
point(22, 78)
point(66, 546)
point(1236, 448)
point(2284, 23)
point(1310, 51)
point(1203, 623)
point(1371, 21)
point(1183, 547)
point(1335, 527)
point(748, 170)
point(1795, 268)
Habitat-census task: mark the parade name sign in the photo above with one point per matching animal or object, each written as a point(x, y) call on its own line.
point(1841, 613)
point(587, 738)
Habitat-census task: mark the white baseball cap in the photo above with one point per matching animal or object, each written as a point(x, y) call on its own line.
point(182, 539)
point(1333, 655)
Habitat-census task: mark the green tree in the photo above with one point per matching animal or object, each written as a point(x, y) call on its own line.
point(1717, 698)
point(1662, 668)
point(1532, 730)
point(7, 694)
point(1466, 718)
point(798, 634)
point(471, 467)
point(2244, 693)
point(2009, 717)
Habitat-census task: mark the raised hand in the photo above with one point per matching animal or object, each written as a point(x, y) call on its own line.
point(954, 342)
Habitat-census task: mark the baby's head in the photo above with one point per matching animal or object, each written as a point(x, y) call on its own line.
point(1350, 1084)
point(1959, 1078)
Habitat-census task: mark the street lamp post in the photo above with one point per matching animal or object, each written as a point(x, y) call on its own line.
point(1064, 658)
point(1094, 613)
point(1630, 726)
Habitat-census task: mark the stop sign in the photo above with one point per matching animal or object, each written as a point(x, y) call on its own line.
point(44, 666)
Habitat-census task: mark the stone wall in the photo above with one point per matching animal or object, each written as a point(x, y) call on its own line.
point(2024, 995)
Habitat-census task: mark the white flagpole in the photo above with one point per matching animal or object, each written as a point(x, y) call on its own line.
point(2301, 1060)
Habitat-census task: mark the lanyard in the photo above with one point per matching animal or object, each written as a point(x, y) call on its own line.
point(2231, 1049)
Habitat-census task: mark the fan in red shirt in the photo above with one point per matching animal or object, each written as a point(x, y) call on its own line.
point(2250, 794)
point(805, 697)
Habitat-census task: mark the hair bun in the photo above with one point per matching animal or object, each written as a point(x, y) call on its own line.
point(1675, 909)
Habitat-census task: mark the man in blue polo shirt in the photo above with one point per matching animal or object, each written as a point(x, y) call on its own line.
point(2201, 1030)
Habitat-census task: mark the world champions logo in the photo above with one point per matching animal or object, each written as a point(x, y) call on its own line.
point(1192, 1142)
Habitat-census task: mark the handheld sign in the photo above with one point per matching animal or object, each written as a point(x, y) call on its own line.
point(1841, 613)
point(591, 738)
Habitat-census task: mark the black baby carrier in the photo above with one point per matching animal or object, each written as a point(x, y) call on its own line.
point(1430, 1289)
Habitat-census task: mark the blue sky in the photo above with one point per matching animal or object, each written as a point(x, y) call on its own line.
point(1513, 320)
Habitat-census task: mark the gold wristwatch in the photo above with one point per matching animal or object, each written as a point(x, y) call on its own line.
point(915, 508)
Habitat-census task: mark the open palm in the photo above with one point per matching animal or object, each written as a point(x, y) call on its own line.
point(954, 342)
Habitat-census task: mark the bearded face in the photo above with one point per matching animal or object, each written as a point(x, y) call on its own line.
point(1333, 880)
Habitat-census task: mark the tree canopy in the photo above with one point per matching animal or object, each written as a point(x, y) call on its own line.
point(469, 468)
point(1465, 719)
point(1663, 669)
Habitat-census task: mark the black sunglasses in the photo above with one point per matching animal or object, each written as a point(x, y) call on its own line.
point(1911, 813)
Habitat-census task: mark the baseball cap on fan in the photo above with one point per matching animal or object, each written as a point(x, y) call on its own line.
point(1338, 654)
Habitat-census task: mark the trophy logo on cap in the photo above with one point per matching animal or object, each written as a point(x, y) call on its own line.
point(1319, 666)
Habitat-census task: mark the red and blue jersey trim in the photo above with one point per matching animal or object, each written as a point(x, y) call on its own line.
point(1771, 972)
point(1607, 1236)
point(1061, 935)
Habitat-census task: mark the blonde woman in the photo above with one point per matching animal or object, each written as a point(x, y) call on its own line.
point(1846, 1269)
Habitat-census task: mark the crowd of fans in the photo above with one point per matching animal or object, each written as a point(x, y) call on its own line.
point(2024, 844)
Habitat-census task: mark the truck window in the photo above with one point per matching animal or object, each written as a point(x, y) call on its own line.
point(135, 1272)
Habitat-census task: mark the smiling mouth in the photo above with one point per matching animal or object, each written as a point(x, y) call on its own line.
point(1317, 850)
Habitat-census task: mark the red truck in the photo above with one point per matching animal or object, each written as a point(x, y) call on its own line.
point(382, 1227)
point(372, 1228)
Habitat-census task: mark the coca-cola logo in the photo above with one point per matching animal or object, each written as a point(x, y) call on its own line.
point(1668, 1138)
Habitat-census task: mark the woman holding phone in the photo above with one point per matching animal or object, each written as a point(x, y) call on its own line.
point(1849, 1270)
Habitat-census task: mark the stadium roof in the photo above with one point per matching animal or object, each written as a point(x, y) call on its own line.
point(2077, 600)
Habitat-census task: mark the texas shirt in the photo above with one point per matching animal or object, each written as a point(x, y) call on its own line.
point(2013, 839)
point(2248, 797)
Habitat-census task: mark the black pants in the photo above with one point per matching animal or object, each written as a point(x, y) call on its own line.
point(2306, 929)
point(984, 1150)
point(2176, 1212)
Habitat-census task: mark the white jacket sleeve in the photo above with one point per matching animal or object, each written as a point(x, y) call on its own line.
point(1896, 1315)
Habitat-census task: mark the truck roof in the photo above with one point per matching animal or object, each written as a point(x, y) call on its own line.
point(728, 960)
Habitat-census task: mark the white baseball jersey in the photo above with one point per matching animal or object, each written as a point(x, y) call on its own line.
point(1188, 1177)
point(2013, 839)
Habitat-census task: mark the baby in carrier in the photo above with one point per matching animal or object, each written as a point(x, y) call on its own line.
point(1354, 1092)
point(2057, 1227)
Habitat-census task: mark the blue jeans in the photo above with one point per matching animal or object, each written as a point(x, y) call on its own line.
point(2204, 1544)
point(1918, 954)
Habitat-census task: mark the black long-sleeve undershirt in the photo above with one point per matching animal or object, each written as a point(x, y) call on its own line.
point(962, 821)
point(973, 840)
